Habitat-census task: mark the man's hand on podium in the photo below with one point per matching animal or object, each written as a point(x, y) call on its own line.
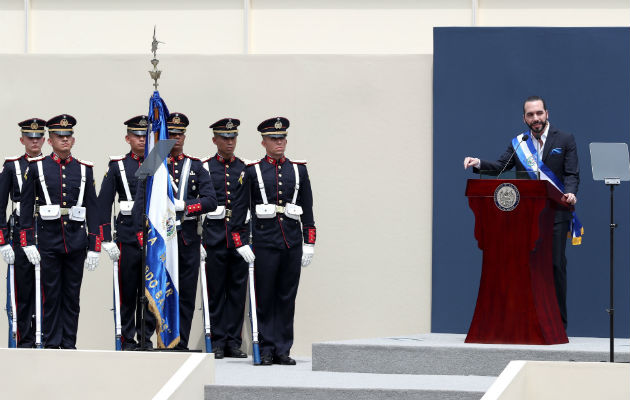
point(569, 198)
point(471, 162)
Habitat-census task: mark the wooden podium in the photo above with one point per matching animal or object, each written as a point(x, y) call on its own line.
point(517, 298)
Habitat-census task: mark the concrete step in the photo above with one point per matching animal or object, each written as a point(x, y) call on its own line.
point(238, 379)
point(447, 354)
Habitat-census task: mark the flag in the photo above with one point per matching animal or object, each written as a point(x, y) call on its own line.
point(161, 270)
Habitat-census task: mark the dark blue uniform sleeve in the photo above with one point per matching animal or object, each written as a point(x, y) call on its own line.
point(5, 188)
point(27, 202)
point(206, 200)
point(106, 197)
point(237, 228)
point(93, 217)
point(305, 200)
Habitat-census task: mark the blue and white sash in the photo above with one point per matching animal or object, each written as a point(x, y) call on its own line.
point(528, 156)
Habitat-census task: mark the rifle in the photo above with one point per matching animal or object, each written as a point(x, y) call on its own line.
point(11, 306)
point(206, 309)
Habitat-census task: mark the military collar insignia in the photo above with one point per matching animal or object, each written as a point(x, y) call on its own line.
point(223, 160)
point(58, 159)
point(175, 158)
point(273, 161)
point(136, 157)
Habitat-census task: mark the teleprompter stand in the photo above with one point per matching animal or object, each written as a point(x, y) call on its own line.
point(148, 168)
point(610, 163)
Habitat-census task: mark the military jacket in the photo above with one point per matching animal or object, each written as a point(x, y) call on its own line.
point(232, 191)
point(63, 180)
point(10, 189)
point(126, 227)
point(279, 180)
point(199, 197)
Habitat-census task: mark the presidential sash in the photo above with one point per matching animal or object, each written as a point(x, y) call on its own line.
point(528, 156)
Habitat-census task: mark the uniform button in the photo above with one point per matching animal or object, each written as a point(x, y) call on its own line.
point(63, 167)
point(227, 174)
point(63, 176)
point(37, 198)
point(64, 185)
point(177, 180)
point(176, 171)
point(227, 219)
point(229, 201)
point(280, 175)
point(64, 194)
point(280, 192)
point(229, 192)
point(228, 183)
point(280, 183)
point(279, 201)
point(227, 166)
point(65, 222)
point(281, 219)
point(175, 163)
point(279, 166)
point(64, 203)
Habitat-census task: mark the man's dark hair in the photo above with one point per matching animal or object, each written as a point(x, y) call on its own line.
point(534, 98)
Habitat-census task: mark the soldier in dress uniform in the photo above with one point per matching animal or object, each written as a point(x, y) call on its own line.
point(226, 241)
point(194, 196)
point(32, 131)
point(127, 250)
point(61, 189)
point(283, 238)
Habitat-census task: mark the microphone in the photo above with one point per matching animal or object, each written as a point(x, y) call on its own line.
point(523, 139)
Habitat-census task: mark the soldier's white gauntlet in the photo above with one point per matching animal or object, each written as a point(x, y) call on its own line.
point(7, 254)
point(247, 253)
point(308, 250)
point(112, 250)
point(32, 254)
point(91, 261)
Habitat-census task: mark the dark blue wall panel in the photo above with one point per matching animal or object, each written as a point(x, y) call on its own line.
point(481, 77)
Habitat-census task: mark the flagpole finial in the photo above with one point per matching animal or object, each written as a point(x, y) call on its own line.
point(155, 74)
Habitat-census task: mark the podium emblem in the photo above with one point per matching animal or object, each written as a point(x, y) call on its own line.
point(506, 197)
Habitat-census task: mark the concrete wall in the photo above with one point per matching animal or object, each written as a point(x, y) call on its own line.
point(274, 26)
point(362, 122)
point(547, 380)
point(60, 374)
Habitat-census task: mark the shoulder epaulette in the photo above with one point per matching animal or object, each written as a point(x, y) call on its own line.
point(86, 163)
point(246, 161)
point(117, 158)
point(192, 157)
point(34, 159)
point(205, 160)
point(302, 162)
point(12, 158)
point(252, 162)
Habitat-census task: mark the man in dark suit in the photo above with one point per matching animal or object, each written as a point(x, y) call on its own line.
point(559, 155)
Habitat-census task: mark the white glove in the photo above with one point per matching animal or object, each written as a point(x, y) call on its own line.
point(180, 205)
point(32, 254)
point(202, 252)
point(247, 253)
point(91, 261)
point(112, 250)
point(7, 253)
point(307, 254)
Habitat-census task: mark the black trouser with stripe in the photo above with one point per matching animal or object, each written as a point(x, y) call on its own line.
point(189, 259)
point(226, 276)
point(129, 267)
point(277, 276)
point(24, 273)
point(61, 277)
